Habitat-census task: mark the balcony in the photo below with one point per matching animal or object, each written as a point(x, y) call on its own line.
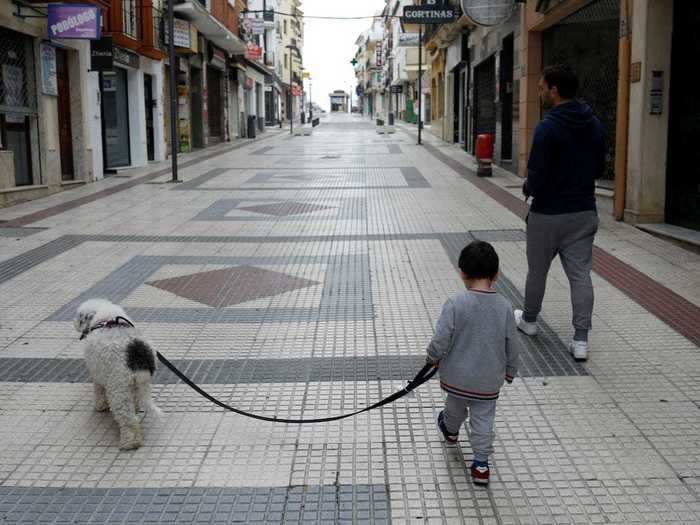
point(220, 25)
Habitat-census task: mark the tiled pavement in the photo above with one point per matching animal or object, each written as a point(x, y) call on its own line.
point(302, 277)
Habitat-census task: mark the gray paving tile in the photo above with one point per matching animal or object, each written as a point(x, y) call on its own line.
point(211, 505)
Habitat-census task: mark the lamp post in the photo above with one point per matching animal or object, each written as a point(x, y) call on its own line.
point(311, 100)
point(291, 95)
point(173, 93)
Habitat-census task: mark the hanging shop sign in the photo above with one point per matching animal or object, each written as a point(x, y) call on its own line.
point(80, 21)
point(182, 31)
point(379, 55)
point(102, 54)
point(408, 39)
point(49, 79)
point(257, 26)
point(126, 58)
point(296, 91)
point(253, 52)
point(431, 12)
point(249, 83)
point(488, 13)
point(397, 89)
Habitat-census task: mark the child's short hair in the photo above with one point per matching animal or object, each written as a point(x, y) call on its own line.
point(479, 260)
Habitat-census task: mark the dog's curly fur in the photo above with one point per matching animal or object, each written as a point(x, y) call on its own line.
point(121, 364)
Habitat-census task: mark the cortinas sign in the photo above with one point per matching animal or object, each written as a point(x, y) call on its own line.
point(431, 12)
point(74, 21)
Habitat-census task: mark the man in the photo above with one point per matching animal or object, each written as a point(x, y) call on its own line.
point(568, 154)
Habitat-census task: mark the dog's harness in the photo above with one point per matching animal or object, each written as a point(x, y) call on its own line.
point(425, 374)
point(112, 323)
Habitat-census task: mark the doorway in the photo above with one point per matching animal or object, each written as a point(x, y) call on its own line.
point(506, 95)
point(150, 105)
point(196, 108)
point(682, 181)
point(215, 110)
point(484, 99)
point(115, 118)
point(65, 135)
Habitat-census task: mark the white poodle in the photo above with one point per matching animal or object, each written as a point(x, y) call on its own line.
point(121, 364)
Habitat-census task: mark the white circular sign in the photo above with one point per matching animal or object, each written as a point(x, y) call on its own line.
point(488, 12)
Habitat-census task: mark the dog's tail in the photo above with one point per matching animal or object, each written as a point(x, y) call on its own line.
point(143, 391)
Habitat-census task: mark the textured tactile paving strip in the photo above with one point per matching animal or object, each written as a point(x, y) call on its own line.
point(242, 371)
point(281, 177)
point(17, 265)
point(28, 260)
point(294, 504)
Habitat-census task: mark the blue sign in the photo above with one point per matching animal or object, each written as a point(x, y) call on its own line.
point(76, 21)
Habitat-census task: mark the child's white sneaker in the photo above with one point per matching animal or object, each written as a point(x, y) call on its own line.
point(579, 349)
point(522, 325)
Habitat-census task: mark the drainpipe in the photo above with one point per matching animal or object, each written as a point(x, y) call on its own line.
point(623, 111)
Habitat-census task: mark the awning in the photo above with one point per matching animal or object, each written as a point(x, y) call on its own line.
point(210, 27)
point(258, 66)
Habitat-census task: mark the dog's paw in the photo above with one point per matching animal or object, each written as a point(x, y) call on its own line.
point(131, 438)
point(132, 444)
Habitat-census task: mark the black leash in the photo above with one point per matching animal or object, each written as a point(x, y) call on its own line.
point(426, 373)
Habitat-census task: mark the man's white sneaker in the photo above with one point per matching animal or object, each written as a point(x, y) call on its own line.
point(523, 325)
point(579, 349)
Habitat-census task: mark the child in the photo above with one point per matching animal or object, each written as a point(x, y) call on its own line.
point(474, 344)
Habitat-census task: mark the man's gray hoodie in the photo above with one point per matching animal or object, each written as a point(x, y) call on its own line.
point(475, 344)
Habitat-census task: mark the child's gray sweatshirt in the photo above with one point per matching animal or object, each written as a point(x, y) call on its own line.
point(475, 343)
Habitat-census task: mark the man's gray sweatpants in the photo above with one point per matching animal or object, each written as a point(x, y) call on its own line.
point(569, 235)
point(481, 419)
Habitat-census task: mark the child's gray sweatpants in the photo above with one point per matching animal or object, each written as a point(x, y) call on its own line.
point(481, 419)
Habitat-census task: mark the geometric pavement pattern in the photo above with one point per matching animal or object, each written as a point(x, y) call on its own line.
point(337, 473)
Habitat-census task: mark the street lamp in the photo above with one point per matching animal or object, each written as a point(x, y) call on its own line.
point(291, 48)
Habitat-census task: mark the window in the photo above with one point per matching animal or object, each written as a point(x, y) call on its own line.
point(286, 61)
point(130, 18)
point(285, 27)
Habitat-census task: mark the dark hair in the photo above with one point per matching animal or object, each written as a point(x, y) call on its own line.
point(563, 77)
point(479, 260)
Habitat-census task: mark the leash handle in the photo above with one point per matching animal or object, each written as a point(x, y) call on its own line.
point(425, 374)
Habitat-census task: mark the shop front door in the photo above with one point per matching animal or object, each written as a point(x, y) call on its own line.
point(215, 106)
point(115, 118)
point(18, 115)
point(506, 96)
point(682, 176)
point(196, 107)
point(150, 107)
point(485, 99)
point(65, 135)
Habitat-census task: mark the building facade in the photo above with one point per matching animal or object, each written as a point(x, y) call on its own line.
point(50, 115)
point(290, 45)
